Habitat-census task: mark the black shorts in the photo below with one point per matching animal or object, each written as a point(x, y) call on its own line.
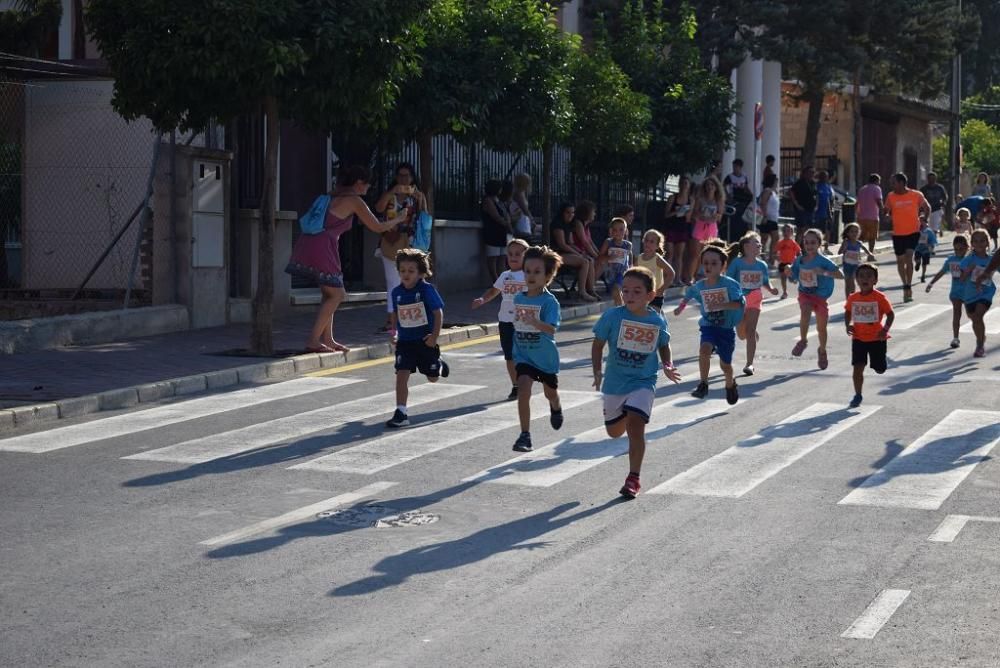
point(924, 256)
point(872, 353)
point(417, 356)
point(507, 340)
point(905, 242)
point(970, 307)
point(768, 226)
point(550, 379)
point(803, 220)
point(781, 268)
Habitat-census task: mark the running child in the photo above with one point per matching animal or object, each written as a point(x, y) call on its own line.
point(536, 357)
point(814, 273)
point(978, 294)
point(652, 259)
point(963, 221)
point(863, 316)
point(616, 252)
point(788, 249)
point(925, 248)
point(507, 285)
point(752, 273)
point(418, 313)
point(953, 265)
point(990, 218)
point(850, 250)
point(635, 334)
point(721, 300)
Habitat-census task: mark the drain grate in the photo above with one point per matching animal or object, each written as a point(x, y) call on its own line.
point(377, 516)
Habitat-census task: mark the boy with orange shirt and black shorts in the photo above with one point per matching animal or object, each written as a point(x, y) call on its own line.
point(864, 313)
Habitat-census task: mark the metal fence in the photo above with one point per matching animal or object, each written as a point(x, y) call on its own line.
point(791, 164)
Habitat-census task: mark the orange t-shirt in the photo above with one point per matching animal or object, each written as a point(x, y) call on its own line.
point(788, 250)
point(905, 212)
point(867, 312)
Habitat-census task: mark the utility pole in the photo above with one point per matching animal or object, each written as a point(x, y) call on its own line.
point(956, 128)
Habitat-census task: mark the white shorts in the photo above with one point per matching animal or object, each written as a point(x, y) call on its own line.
point(935, 220)
point(638, 401)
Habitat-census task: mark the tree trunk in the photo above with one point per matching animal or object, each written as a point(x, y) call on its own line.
point(426, 145)
point(261, 340)
point(856, 167)
point(815, 100)
point(546, 213)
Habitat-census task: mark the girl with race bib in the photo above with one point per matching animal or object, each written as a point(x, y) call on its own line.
point(721, 300)
point(652, 259)
point(509, 284)
point(752, 273)
point(616, 253)
point(978, 298)
point(960, 244)
point(814, 273)
point(850, 251)
point(638, 344)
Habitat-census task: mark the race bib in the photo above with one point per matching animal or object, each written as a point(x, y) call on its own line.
point(956, 269)
point(412, 315)
point(617, 255)
point(511, 288)
point(807, 278)
point(521, 313)
point(977, 271)
point(852, 257)
point(864, 312)
point(751, 280)
point(714, 298)
point(923, 238)
point(637, 337)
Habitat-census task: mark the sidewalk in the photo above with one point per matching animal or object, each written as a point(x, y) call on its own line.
point(68, 382)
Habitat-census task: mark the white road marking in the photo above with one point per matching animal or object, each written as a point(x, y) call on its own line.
point(952, 525)
point(992, 322)
point(741, 468)
point(566, 458)
point(408, 444)
point(161, 416)
point(298, 514)
point(876, 614)
point(292, 427)
point(908, 317)
point(924, 474)
point(476, 356)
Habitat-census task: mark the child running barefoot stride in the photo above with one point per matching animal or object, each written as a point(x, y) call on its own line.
point(652, 259)
point(417, 314)
point(978, 293)
point(788, 249)
point(863, 317)
point(851, 250)
point(814, 274)
point(536, 357)
point(509, 284)
point(752, 273)
point(721, 300)
point(635, 333)
point(617, 253)
point(953, 265)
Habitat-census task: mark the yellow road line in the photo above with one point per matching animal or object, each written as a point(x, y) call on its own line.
point(451, 346)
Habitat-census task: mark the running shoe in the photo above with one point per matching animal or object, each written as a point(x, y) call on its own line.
point(556, 418)
point(784, 295)
point(980, 352)
point(701, 391)
point(445, 369)
point(907, 295)
point(800, 346)
point(732, 394)
point(748, 370)
point(955, 343)
point(631, 487)
point(821, 360)
point(523, 442)
point(856, 401)
point(399, 419)
point(513, 393)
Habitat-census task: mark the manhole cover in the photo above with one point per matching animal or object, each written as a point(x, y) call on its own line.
point(379, 517)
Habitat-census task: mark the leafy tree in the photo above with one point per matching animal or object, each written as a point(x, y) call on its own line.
point(27, 24)
point(981, 146)
point(307, 59)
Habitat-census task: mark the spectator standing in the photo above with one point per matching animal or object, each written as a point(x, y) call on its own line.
point(823, 217)
point(496, 227)
point(804, 201)
point(768, 169)
point(870, 207)
point(937, 197)
point(770, 205)
point(982, 187)
point(677, 229)
point(401, 203)
point(524, 225)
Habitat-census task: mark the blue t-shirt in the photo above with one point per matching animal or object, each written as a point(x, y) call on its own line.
point(532, 346)
point(810, 283)
point(927, 241)
point(824, 197)
point(750, 275)
point(725, 290)
point(954, 266)
point(970, 293)
point(852, 252)
point(633, 341)
point(619, 255)
point(415, 310)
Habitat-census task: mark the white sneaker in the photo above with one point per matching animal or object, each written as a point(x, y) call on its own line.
point(955, 343)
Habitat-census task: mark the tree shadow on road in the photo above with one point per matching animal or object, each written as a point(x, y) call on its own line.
point(931, 380)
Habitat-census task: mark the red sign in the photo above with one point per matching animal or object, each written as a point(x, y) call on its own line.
point(758, 121)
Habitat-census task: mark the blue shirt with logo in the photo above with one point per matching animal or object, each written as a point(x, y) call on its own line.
point(725, 290)
point(927, 241)
point(632, 362)
point(532, 346)
point(954, 267)
point(750, 275)
point(807, 269)
point(414, 310)
point(970, 293)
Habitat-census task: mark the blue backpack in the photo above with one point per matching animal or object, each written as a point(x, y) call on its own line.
point(315, 218)
point(422, 233)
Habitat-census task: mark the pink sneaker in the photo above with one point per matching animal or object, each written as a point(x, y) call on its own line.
point(800, 346)
point(631, 488)
point(980, 352)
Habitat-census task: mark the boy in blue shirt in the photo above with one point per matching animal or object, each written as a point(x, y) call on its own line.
point(635, 334)
point(925, 248)
point(418, 313)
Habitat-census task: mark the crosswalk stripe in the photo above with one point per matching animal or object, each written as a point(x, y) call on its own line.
point(568, 457)
point(298, 514)
point(910, 316)
point(992, 322)
point(952, 525)
point(229, 443)
point(876, 614)
point(925, 474)
point(161, 416)
point(736, 471)
point(400, 447)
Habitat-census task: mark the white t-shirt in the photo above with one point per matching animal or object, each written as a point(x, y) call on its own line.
point(509, 283)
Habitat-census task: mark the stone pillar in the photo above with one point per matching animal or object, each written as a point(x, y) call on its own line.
point(750, 77)
point(730, 153)
point(771, 144)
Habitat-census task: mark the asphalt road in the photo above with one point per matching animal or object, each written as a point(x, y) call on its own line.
point(236, 529)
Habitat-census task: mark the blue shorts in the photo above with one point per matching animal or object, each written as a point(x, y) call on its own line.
point(849, 270)
point(616, 274)
point(723, 339)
